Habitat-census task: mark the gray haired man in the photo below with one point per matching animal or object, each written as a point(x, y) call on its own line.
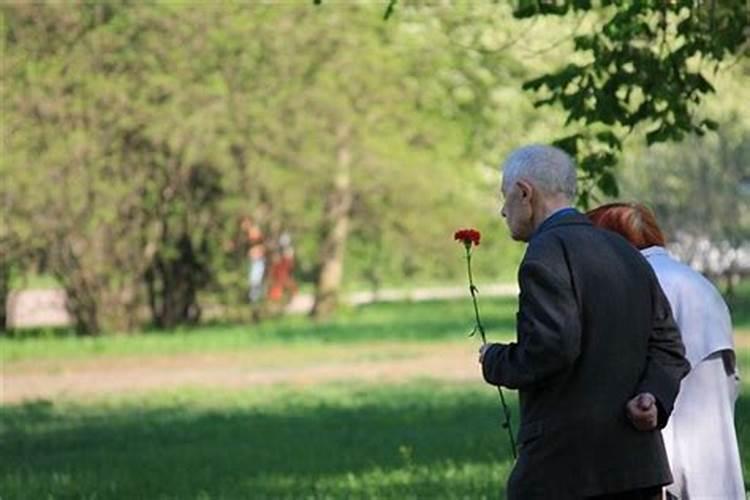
point(598, 358)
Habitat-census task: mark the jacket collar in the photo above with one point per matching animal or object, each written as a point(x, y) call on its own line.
point(565, 217)
point(654, 250)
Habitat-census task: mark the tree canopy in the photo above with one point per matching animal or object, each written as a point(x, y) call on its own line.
point(137, 136)
point(642, 67)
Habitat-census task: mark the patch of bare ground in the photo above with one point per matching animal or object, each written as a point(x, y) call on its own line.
point(387, 362)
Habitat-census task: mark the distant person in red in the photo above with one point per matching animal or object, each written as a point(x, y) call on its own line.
point(281, 284)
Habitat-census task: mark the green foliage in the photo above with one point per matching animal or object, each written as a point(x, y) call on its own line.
point(120, 166)
point(156, 127)
point(633, 66)
point(645, 66)
point(695, 188)
point(739, 305)
point(137, 135)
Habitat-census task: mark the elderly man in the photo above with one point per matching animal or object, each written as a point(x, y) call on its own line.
point(598, 358)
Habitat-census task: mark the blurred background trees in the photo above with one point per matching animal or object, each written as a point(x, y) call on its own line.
point(137, 136)
point(700, 189)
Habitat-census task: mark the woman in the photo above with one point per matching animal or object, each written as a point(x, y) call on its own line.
point(700, 438)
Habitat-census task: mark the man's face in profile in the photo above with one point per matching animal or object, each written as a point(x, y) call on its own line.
point(517, 209)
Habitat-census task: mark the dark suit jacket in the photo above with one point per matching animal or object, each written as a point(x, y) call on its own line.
point(593, 330)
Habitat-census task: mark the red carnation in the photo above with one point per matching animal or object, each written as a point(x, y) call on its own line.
point(468, 236)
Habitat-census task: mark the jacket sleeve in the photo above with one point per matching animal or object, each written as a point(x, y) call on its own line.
point(666, 364)
point(548, 328)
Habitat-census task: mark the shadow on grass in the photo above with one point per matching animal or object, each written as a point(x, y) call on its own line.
point(407, 442)
point(423, 440)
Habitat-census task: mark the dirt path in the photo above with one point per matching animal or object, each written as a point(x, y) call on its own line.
point(384, 362)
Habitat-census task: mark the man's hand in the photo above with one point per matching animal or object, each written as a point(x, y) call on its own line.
point(643, 412)
point(482, 350)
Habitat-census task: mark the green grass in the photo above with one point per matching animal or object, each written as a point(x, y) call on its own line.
point(417, 321)
point(416, 439)
point(413, 321)
point(419, 440)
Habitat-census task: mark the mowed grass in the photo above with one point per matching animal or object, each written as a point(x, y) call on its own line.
point(427, 321)
point(418, 440)
point(421, 438)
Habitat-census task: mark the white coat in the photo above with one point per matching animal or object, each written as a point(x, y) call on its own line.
point(700, 437)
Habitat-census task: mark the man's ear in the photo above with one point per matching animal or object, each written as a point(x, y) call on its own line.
point(524, 188)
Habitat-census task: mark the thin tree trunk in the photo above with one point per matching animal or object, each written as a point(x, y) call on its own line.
point(4, 293)
point(335, 231)
point(80, 290)
point(172, 286)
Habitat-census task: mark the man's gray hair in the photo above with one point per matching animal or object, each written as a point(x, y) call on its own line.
point(548, 168)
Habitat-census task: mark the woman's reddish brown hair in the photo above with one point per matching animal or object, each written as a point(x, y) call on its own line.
point(633, 221)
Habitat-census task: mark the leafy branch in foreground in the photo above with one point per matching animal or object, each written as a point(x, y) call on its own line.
point(646, 66)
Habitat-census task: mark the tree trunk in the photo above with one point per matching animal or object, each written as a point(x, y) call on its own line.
point(172, 285)
point(4, 292)
point(335, 232)
point(83, 307)
point(82, 294)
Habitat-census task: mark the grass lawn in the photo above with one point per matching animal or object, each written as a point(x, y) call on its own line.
point(400, 321)
point(413, 438)
point(418, 439)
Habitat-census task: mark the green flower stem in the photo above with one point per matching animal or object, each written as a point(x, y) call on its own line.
point(506, 411)
point(473, 290)
point(507, 423)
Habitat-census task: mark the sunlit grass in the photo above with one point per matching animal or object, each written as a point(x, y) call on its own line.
point(409, 321)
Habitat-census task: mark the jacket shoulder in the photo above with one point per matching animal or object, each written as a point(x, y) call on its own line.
point(552, 241)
